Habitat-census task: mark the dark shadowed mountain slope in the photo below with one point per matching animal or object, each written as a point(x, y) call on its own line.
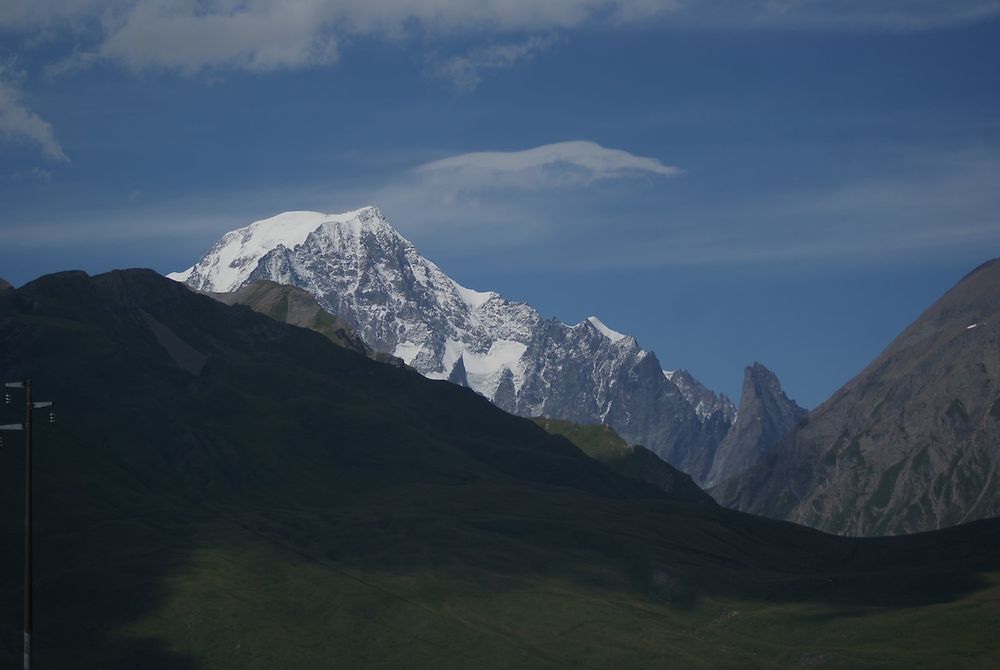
point(224, 490)
point(4, 284)
point(602, 443)
point(912, 443)
point(766, 415)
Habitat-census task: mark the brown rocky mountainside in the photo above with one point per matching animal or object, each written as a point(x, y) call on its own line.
point(910, 444)
point(4, 284)
point(294, 306)
point(765, 416)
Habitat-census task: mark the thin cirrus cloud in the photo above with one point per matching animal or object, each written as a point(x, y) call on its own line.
point(18, 123)
point(466, 71)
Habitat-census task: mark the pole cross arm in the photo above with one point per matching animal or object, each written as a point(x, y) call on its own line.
point(12, 426)
point(14, 385)
point(42, 403)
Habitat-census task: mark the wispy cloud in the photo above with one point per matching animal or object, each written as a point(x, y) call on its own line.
point(249, 36)
point(18, 123)
point(466, 71)
point(264, 35)
point(261, 35)
point(483, 203)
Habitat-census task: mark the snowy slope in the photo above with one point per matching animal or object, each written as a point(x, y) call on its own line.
point(705, 401)
point(361, 269)
point(228, 264)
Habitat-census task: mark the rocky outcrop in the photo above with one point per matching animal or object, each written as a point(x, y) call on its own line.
point(705, 401)
point(766, 415)
point(294, 306)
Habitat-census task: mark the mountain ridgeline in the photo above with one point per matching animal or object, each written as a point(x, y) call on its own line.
point(908, 445)
point(911, 443)
point(224, 490)
point(362, 270)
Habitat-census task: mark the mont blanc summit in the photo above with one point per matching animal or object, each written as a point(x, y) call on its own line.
point(361, 269)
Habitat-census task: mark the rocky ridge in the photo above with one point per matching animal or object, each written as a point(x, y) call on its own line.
point(911, 443)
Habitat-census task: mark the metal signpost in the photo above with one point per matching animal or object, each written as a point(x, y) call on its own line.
point(29, 407)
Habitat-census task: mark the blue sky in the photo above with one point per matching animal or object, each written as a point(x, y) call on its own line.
point(789, 181)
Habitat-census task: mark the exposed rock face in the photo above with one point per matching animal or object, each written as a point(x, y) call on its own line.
point(705, 401)
point(4, 284)
point(766, 415)
point(358, 267)
point(294, 306)
point(910, 444)
point(458, 375)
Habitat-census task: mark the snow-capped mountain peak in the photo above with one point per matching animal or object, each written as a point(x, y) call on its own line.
point(236, 255)
point(358, 267)
point(612, 335)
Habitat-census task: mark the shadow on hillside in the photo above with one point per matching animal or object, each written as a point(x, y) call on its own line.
point(100, 557)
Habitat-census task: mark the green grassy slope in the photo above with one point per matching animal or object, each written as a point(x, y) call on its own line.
point(603, 444)
point(296, 505)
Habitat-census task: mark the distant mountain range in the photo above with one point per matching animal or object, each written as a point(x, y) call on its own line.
point(912, 443)
point(362, 270)
point(908, 445)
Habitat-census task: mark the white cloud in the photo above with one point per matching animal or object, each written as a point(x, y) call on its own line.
point(255, 36)
point(18, 123)
point(466, 71)
point(551, 165)
point(259, 35)
point(511, 201)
